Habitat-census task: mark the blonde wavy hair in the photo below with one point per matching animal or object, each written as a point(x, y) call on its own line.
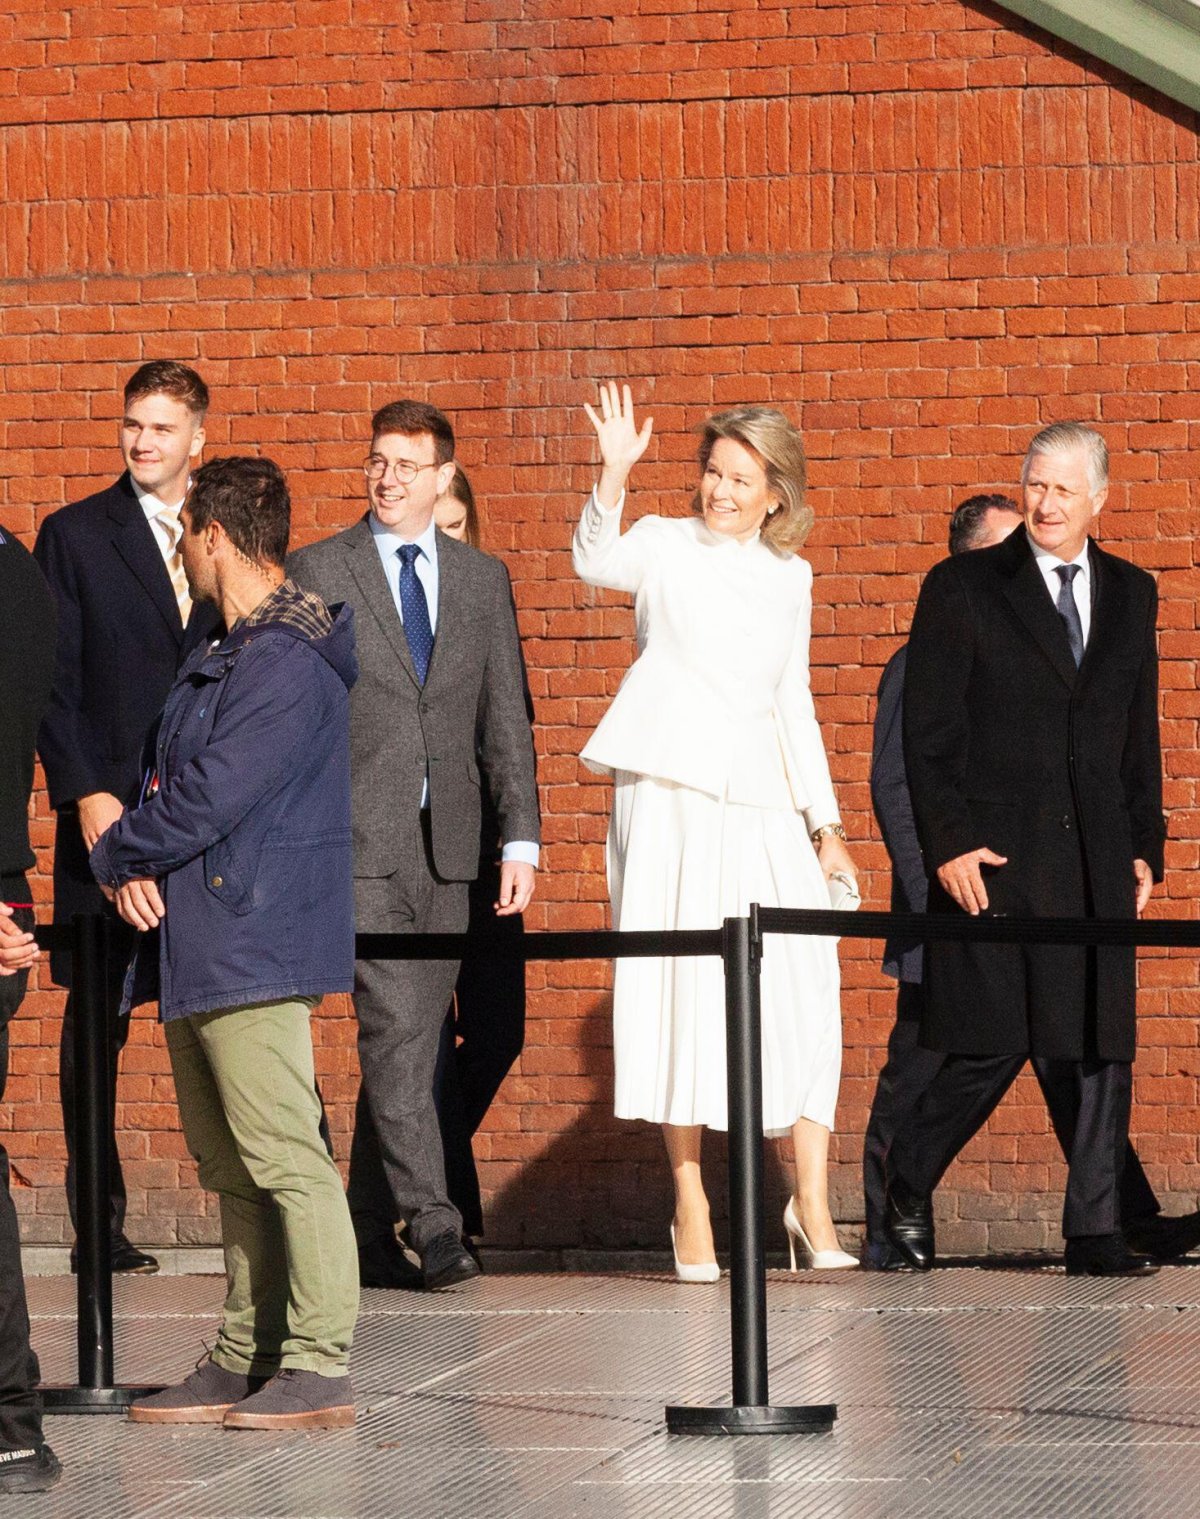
point(777, 445)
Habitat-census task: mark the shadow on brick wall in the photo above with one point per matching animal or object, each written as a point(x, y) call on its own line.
point(562, 1191)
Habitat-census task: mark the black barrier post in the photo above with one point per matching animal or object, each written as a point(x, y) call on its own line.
point(95, 1392)
point(751, 1412)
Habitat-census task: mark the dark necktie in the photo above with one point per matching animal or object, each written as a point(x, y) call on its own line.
point(415, 610)
point(1068, 611)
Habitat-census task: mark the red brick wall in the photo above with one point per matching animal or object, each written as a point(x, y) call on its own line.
point(923, 228)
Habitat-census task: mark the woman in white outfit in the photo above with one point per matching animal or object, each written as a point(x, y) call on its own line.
point(722, 797)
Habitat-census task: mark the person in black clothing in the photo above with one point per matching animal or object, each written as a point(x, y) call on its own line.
point(125, 624)
point(27, 1464)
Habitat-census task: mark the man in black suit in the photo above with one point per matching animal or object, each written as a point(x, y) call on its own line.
point(976, 523)
point(125, 623)
point(1032, 752)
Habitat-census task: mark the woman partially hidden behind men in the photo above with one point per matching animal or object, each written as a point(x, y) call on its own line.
point(722, 797)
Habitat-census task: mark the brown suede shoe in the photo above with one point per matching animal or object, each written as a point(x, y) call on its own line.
point(201, 1398)
point(296, 1400)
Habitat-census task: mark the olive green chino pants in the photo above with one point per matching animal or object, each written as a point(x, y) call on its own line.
point(251, 1115)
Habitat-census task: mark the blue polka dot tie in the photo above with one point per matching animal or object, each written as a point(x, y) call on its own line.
point(1069, 611)
point(415, 611)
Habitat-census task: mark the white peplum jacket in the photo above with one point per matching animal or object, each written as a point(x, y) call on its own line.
point(718, 698)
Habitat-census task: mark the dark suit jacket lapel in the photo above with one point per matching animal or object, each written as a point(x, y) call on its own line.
point(133, 539)
point(1026, 593)
point(1109, 609)
point(367, 569)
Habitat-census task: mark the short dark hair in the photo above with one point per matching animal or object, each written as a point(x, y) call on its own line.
point(966, 521)
point(164, 377)
point(411, 418)
point(249, 498)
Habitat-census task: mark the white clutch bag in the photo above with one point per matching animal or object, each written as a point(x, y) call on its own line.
point(844, 895)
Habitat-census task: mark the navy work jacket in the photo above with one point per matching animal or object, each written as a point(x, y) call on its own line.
point(248, 832)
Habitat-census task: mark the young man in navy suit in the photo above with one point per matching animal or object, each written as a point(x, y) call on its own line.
point(125, 623)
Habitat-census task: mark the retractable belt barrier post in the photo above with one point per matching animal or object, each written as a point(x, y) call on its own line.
point(751, 1412)
point(739, 944)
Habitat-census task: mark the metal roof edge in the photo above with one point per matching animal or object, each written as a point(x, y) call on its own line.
point(1158, 46)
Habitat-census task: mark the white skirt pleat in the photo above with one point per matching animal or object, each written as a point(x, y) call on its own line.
point(680, 859)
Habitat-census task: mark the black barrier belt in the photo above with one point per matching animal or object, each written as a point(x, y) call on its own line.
point(600, 944)
point(962, 928)
point(605, 944)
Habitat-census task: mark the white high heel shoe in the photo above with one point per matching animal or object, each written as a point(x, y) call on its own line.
point(818, 1260)
point(708, 1272)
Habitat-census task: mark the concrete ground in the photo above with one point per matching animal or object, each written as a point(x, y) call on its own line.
point(998, 1392)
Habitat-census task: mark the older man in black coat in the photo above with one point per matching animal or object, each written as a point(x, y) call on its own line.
point(1032, 751)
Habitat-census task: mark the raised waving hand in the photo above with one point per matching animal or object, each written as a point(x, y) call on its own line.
point(622, 442)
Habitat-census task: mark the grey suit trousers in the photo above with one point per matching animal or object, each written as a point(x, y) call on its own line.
point(401, 1005)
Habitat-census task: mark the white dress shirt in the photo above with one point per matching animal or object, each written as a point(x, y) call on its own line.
point(426, 567)
point(1081, 586)
point(151, 505)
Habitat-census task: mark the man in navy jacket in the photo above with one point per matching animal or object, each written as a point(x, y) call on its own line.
point(236, 868)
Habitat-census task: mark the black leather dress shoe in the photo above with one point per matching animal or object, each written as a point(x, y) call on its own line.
point(472, 1250)
point(446, 1262)
point(1104, 1255)
point(1162, 1238)
point(382, 1263)
point(125, 1257)
point(881, 1255)
point(909, 1224)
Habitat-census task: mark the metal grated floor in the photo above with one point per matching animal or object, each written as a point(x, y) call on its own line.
point(964, 1393)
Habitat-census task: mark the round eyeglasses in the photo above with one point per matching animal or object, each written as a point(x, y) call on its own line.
point(404, 470)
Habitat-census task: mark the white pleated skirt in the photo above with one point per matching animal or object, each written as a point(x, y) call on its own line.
point(680, 859)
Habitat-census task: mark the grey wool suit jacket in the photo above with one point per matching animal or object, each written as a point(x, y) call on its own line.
point(470, 714)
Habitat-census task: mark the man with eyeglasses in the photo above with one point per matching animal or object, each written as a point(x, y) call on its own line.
point(439, 698)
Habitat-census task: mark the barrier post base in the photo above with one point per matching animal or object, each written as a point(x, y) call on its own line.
point(752, 1419)
point(92, 1400)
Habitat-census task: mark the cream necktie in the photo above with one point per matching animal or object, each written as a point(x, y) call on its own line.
point(174, 561)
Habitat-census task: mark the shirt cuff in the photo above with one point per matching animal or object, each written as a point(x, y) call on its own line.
point(521, 851)
point(609, 511)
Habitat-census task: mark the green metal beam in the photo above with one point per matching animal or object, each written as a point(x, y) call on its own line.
point(1156, 41)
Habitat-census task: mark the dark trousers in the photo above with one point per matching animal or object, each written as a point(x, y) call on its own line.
point(906, 1075)
point(482, 1036)
point(120, 947)
point(910, 1069)
point(20, 1405)
point(1093, 1100)
point(396, 1164)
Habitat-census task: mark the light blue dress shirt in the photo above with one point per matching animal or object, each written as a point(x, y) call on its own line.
point(426, 566)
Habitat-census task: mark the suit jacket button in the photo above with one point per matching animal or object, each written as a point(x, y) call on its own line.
point(218, 880)
point(1065, 821)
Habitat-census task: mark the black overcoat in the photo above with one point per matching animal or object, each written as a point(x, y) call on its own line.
point(1008, 746)
point(120, 642)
